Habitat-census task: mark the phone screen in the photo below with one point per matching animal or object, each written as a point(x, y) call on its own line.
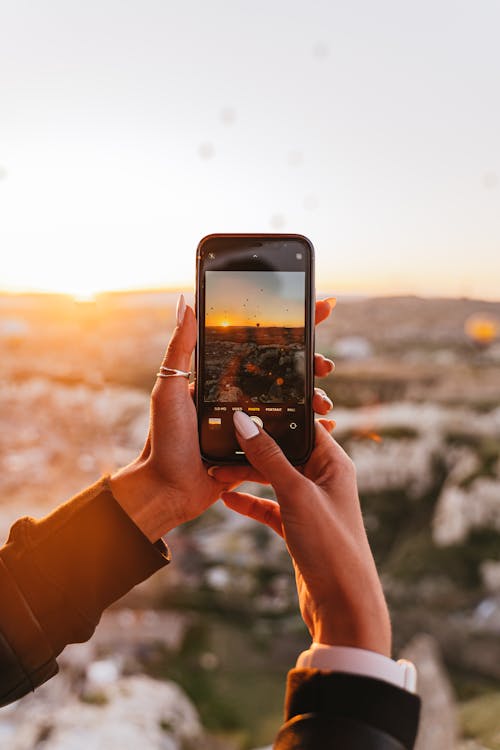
point(255, 348)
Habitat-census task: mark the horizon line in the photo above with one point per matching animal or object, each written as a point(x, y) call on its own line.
point(82, 297)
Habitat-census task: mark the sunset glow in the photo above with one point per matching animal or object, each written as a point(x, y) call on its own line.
point(108, 184)
point(254, 299)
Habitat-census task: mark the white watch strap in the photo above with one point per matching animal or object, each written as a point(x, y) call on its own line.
point(358, 661)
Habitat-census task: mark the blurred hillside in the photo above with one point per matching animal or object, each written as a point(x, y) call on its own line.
point(416, 396)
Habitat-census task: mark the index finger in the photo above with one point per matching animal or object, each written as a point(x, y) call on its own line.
point(324, 308)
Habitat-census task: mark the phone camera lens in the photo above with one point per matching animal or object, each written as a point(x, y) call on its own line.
point(211, 256)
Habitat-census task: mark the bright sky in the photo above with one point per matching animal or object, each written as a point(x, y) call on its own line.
point(131, 128)
point(248, 298)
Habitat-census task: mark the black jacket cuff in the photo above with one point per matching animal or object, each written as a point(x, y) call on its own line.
point(371, 703)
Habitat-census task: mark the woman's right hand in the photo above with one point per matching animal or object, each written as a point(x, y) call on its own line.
point(319, 516)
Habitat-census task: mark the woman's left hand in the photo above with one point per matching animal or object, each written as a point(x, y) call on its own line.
point(169, 484)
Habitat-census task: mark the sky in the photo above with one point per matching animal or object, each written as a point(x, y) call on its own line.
point(129, 129)
point(251, 298)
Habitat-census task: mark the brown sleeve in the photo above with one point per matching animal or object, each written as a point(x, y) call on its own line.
point(58, 574)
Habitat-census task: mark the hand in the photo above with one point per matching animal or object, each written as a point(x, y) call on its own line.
point(319, 516)
point(168, 483)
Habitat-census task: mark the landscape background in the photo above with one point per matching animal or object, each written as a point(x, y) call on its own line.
point(263, 364)
point(417, 403)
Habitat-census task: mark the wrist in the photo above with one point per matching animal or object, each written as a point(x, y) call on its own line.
point(358, 661)
point(367, 627)
point(145, 499)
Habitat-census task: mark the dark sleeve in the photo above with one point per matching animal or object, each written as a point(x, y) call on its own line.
point(337, 711)
point(57, 575)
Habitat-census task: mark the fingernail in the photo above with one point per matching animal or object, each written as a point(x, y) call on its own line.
point(181, 309)
point(245, 426)
point(332, 301)
point(326, 399)
point(331, 364)
point(212, 471)
point(330, 425)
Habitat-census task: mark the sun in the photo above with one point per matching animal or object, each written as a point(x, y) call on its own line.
point(225, 323)
point(87, 296)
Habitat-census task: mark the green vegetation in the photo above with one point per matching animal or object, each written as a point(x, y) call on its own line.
point(352, 391)
point(479, 718)
point(400, 518)
point(402, 538)
point(166, 726)
point(235, 676)
point(484, 406)
point(416, 557)
point(469, 685)
point(94, 697)
point(44, 734)
point(487, 449)
point(397, 432)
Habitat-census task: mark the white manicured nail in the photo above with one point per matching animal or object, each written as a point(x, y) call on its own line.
point(181, 309)
point(245, 426)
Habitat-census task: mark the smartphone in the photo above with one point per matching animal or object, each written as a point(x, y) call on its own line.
point(255, 310)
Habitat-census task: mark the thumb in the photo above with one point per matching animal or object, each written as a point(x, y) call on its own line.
point(265, 454)
point(180, 348)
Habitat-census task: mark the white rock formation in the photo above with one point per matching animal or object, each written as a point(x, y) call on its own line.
point(393, 464)
point(129, 713)
point(353, 347)
point(460, 510)
point(438, 727)
point(490, 575)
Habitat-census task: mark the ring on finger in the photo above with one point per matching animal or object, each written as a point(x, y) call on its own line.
point(171, 372)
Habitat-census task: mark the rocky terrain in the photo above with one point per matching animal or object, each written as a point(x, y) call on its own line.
point(254, 364)
point(417, 404)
